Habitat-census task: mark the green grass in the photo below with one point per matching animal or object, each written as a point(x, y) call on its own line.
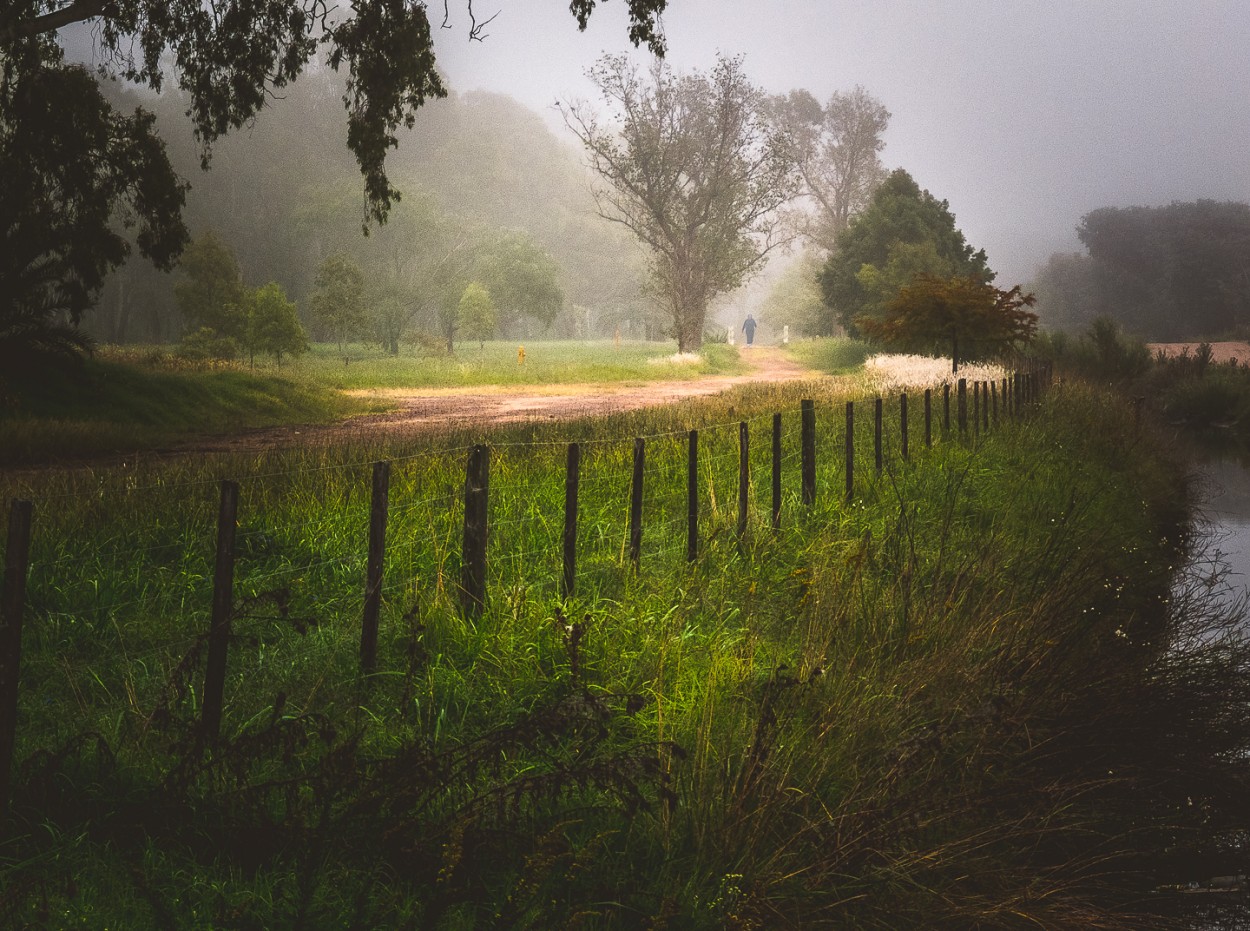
point(832, 355)
point(116, 406)
point(947, 703)
point(495, 363)
point(136, 398)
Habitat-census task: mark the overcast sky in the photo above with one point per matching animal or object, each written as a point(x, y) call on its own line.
point(1023, 115)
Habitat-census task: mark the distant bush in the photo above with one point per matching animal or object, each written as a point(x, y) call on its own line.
point(206, 344)
point(1104, 352)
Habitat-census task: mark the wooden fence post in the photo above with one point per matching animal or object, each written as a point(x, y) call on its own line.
point(976, 408)
point(946, 407)
point(928, 417)
point(876, 446)
point(850, 450)
point(374, 567)
point(473, 554)
point(692, 498)
point(635, 503)
point(963, 406)
point(994, 399)
point(223, 606)
point(744, 475)
point(572, 481)
point(902, 420)
point(776, 471)
point(808, 438)
point(12, 603)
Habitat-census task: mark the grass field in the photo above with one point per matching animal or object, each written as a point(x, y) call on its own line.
point(960, 699)
point(495, 363)
point(137, 398)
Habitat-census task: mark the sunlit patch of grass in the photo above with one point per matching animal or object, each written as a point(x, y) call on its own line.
point(496, 363)
point(888, 373)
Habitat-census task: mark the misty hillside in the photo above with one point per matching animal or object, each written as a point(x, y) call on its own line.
point(285, 192)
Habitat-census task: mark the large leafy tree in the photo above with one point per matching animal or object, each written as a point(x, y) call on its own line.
point(969, 316)
point(836, 148)
point(71, 166)
point(692, 166)
point(74, 176)
point(904, 232)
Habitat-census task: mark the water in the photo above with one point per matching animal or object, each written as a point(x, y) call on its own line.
point(1225, 493)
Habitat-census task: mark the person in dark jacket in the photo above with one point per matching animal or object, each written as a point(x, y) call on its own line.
point(748, 327)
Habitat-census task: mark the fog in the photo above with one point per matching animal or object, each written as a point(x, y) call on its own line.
point(1025, 116)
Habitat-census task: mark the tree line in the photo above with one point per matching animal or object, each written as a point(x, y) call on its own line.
point(1175, 272)
point(705, 172)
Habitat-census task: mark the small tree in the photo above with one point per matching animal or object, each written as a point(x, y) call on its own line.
point(272, 324)
point(210, 293)
point(477, 313)
point(964, 311)
point(338, 299)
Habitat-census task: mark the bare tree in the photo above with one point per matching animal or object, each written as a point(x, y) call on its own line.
point(836, 151)
point(695, 170)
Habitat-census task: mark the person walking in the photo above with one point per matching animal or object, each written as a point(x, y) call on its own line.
point(748, 327)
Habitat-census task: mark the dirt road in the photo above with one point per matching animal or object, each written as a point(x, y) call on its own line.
point(426, 411)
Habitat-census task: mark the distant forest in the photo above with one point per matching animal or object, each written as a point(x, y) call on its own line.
point(285, 194)
point(1177, 272)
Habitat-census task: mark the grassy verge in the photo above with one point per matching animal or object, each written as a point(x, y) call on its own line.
point(967, 698)
point(139, 398)
point(110, 406)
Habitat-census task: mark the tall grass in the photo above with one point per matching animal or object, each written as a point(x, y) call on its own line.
point(970, 697)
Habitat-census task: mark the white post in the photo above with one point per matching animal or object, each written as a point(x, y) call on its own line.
point(785, 335)
point(730, 331)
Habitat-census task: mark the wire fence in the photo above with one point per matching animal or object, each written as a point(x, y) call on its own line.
point(467, 527)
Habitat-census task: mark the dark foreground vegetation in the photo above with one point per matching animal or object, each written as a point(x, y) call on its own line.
point(975, 696)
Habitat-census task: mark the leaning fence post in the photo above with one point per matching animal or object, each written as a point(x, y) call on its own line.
point(808, 443)
point(744, 475)
point(373, 569)
point(12, 602)
point(223, 601)
point(876, 444)
point(902, 420)
point(572, 478)
point(963, 406)
point(476, 497)
point(776, 522)
point(692, 498)
point(635, 503)
point(928, 417)
point(946, 407)
point(850, 450)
